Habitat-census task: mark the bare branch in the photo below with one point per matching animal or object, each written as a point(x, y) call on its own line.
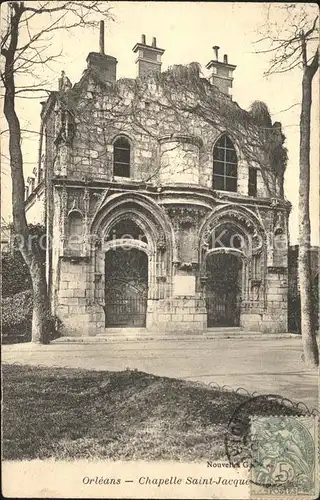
point(44, 10)
point(313, 66)
point(48, 92)
point(288, 42)
point(313, 27)
point(287, 109)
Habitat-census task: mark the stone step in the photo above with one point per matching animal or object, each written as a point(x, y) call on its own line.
point(225, 329)
point(156, 336)
point(125, 331)
point(144, 331)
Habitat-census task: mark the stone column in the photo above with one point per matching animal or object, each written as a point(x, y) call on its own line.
point(242, 177)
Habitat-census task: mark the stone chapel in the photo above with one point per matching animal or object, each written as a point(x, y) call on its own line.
point(163, 201)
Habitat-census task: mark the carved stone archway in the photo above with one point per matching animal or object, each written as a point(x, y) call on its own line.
point(158, 244)
point(246, 225)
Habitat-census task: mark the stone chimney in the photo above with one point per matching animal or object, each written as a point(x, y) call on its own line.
point(104, 64)
point(221, 72)
point(149, 57)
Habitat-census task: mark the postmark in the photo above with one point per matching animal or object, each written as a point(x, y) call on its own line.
point(278, 442)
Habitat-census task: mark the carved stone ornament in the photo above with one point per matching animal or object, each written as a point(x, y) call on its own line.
point(279, 226)
point(186, 216)
point(205, 242)
point(276, 269)
point(86, 201)
point(232, 215)
point(98, 199)
point(227, 217)
point(98, 242)
point(161, 242)
point(186, 266)
point(257, 244)
point(74, 205)
point(161, 279)
point(61, 160)
point(77, 200)
point(219, 195)
point(64, 202)
point(280, 203)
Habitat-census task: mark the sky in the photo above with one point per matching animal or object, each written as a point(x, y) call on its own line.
point(187, 32)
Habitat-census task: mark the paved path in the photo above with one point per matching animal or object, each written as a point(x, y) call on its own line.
point(262, 365)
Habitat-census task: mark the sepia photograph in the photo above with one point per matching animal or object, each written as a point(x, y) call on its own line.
point(160, 249)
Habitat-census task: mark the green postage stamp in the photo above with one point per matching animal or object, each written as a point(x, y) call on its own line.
point(285, 457)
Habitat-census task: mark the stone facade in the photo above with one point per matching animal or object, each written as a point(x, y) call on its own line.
point(133, 165)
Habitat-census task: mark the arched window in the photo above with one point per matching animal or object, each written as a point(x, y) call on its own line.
point(225, 164)
point(121, 157)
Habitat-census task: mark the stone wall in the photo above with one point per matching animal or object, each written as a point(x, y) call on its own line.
point(76, 304)
point(270, 314)
point(179, 162)
point(275, 319)
point(171, 166)
point(179, 314)
point(103, 114)
point(176, 297)
point(35, 208)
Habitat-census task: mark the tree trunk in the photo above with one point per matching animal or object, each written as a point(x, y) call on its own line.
point(309, 341)
point(40, 318)
point(29, 248)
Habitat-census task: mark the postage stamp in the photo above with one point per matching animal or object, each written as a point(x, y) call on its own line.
point(284, 460)
point(278, 443)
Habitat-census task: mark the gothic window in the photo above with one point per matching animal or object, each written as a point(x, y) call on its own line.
point(225, 164)
point(121, 157)
point(252, 185)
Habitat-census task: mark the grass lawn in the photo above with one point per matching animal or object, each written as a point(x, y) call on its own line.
point(70, 413)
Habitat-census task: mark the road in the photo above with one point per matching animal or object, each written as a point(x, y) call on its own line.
point(262, 365)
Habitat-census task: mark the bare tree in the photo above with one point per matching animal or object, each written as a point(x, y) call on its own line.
point(25, 47)
point(295, 44)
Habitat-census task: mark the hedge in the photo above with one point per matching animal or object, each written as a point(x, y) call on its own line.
point(17, 301)
point(15, 274)
point(17, 319)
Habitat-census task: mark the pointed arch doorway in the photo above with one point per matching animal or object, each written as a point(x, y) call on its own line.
point(126, 276)
point(126, 288)
point(223, 289)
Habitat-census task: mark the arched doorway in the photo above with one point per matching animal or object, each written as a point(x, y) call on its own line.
point(125, 221)
point(126, 287)
point(223, 289)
